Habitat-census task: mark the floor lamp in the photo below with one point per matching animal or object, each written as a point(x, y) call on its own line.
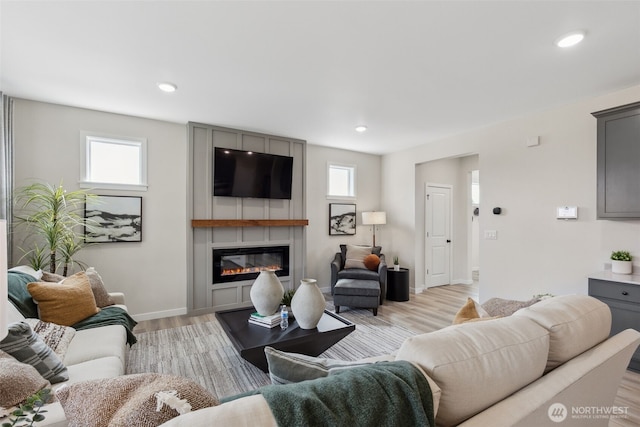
point(374, 218)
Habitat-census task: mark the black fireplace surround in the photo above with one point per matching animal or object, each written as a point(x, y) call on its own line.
point(235, 264)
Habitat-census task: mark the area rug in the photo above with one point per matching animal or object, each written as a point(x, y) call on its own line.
point(203, 353)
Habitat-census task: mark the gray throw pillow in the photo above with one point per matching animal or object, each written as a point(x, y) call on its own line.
point(27, 347)
point(285, 368)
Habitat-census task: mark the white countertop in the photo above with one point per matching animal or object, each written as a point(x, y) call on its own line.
point(633, 279)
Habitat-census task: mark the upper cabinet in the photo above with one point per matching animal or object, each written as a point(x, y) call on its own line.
point(619, 162)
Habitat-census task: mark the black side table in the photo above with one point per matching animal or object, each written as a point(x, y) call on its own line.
point(398, 284)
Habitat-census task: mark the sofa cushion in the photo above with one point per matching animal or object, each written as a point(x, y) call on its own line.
point(94, 343)
point(19, 381)
point(575, 324)
point(285, 368)
point(57, 337)
point(27, 347)
point(478, 364)
point(129, 400)
point(13, 315)
point(103, 367)
point(65, 303)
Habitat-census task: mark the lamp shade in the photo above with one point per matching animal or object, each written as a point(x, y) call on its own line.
point(4, 319)
point(374, 218)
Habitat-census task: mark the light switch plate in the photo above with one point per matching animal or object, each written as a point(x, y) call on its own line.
point(567, 212)
point(491, 234)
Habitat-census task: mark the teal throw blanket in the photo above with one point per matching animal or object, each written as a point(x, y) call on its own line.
point(381, 394)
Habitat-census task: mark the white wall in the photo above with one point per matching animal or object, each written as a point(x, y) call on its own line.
point(152, 273)
point(321, 247)
point(535, 252)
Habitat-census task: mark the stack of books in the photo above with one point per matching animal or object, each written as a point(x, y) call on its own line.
point(265, 321)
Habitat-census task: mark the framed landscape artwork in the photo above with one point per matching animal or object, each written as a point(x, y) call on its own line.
point(342, 219)
point(110, 219)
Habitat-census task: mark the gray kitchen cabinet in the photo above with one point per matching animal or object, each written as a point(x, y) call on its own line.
point(618, 158)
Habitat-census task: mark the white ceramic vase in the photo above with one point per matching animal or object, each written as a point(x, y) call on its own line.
point(308, 304)
point(621, 267)
point(266, 293)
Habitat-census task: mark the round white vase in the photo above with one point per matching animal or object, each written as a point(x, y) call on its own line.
point(266, 293)
point(308, 304)
point(621, 267)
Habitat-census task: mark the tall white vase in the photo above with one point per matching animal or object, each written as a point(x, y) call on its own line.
point(308, 304)
point(266, 293)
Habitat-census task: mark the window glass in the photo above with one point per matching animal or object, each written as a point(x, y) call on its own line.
point(341, 181)
point(114, 163)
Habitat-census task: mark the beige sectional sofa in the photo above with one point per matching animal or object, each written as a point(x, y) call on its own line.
point(554, 359)
point(92, 353)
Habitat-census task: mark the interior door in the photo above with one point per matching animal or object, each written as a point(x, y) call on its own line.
point(438, 235)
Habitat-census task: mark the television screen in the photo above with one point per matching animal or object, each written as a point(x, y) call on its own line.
point(239, 173)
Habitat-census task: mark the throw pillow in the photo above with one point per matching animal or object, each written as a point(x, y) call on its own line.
point(57, 337)
point(19, 295)
point(372, 262)
point(19, 381)
point(285, 368)
point(51, 277)
point(103, 299)
point(27, 347)
point(471, 312)
point(128, 400)
point(67, 303)
point(27, 270)
point(356, 255)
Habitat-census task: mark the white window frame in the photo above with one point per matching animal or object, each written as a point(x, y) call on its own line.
point(352, 177)
point(85, 161)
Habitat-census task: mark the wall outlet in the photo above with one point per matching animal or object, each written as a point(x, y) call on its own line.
point(491, 234)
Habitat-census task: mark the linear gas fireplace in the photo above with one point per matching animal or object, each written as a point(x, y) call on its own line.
point(232, 264)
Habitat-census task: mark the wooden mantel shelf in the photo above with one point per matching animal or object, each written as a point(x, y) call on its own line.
point(208, 223)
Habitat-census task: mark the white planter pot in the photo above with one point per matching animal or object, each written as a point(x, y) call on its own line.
point(621, 267)
point(266, 293)
point(396, 267)
point(308, 304)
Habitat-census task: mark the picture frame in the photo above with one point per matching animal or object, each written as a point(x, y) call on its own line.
point(342, 219)
point(112, 219)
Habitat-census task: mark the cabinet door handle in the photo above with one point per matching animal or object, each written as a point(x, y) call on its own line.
point(625, 293)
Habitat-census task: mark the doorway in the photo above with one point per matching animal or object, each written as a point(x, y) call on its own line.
point(438, 234)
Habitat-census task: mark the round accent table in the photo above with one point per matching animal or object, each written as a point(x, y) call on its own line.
point(398, 284)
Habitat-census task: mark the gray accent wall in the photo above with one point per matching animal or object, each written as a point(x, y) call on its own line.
point(202, 295)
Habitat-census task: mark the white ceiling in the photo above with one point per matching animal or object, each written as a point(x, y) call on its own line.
point(412, 71)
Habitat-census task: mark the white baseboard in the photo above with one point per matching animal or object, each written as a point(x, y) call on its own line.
point(159, 314)
point(463, 281)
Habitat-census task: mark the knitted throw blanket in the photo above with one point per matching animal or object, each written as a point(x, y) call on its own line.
point(382, 394)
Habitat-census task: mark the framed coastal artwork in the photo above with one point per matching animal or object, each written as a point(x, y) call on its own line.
point(110, 219)
point(342, 219)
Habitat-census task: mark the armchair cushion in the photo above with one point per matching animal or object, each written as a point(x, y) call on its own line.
point(358, 274)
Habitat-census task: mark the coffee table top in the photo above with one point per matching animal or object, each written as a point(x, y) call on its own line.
point(250, 339)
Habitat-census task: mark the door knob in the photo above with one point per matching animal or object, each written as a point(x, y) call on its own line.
point(448, 241)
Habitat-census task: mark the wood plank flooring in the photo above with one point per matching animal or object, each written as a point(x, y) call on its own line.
point(429, 311)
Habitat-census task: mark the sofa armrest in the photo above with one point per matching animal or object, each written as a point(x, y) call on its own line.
point(117, 297)
point(335, 267)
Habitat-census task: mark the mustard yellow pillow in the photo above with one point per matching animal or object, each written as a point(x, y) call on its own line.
point(469, 313)
point(64, 303)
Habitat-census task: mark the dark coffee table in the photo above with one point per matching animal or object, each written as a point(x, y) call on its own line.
point(250, 340)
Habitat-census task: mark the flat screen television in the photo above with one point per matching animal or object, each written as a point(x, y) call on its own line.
point(239, 173)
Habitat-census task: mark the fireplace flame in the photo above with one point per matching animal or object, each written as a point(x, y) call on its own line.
point(245, 270)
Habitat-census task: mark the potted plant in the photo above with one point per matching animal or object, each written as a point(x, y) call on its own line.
point(286, 300)
point(396, 263)
point(621, 262)
point(53, 219)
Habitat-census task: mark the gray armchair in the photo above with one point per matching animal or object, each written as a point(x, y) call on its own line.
point(339, 272)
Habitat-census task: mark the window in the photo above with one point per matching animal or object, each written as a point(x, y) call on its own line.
point(341, 181)
point(113, 162)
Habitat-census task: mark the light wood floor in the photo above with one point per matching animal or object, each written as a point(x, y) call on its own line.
point(429, 311)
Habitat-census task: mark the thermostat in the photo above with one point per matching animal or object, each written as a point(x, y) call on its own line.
point(567, 212)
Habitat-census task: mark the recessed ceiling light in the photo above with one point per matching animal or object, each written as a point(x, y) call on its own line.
point(167, 87)
point(571, 39)
point(361, 128)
